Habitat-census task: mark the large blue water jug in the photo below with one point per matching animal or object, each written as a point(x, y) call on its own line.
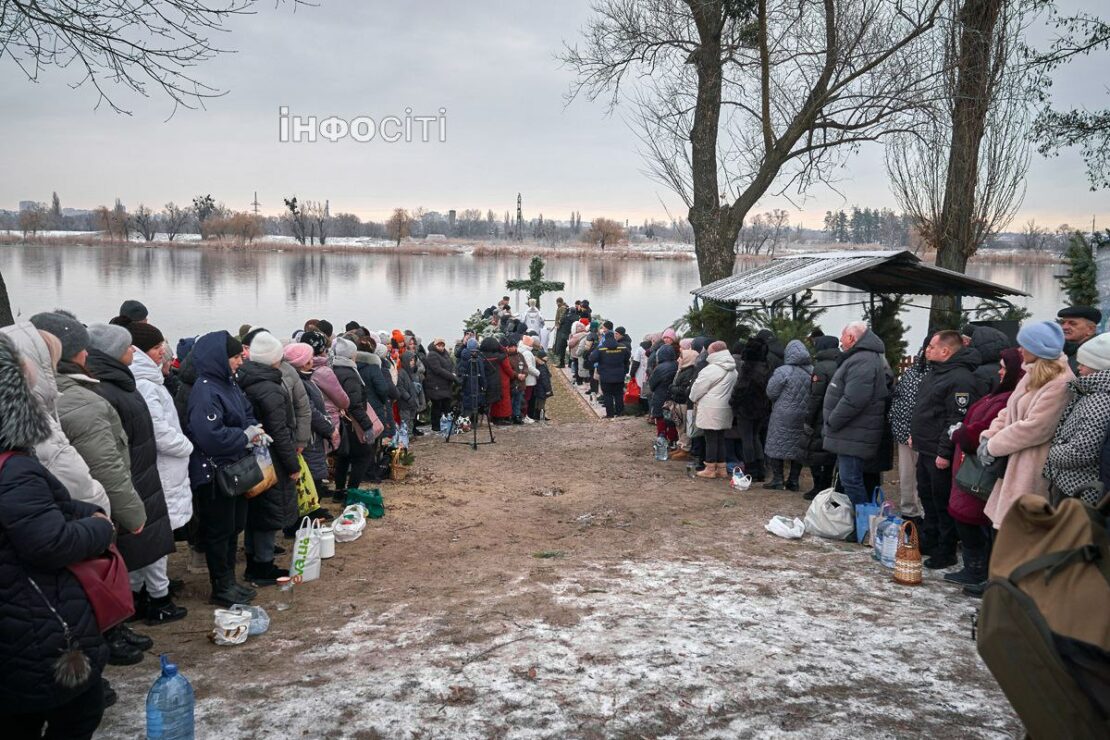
point(169, 706)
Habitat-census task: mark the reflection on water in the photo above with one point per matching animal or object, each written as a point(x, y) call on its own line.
point(191, 290)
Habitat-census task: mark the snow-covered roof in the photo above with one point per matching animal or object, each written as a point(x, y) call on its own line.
point(891, 272)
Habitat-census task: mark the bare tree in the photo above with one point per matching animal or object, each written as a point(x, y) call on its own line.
point(145, 222)
point(319, 219)
point(131, 45)
point(399, 225)
point(245, 227)
point(298, 220)
point(113, 222)
point(1034, 238)
point(960, 174)
point(32, 220)
point(603, 231)
point(738, 97)
point(174, 219)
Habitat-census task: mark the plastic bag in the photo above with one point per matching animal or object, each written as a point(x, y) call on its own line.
point(740, 481)
point(260, 620)
point(348, 527)
point(308, 500)
point(306, 552)
point(269, 475)
point(232, 626)
point(830, 515)
point(401, 438)
point(370, 499)
point(865, 511)
point(784, 526)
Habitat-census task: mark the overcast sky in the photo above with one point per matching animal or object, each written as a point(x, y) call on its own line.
point(491, 64)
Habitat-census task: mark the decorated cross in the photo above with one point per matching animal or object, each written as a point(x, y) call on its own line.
point(535, 284)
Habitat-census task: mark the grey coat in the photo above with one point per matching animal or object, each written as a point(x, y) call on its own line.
point(788, 390)
point(855, 403)
point(302, 409)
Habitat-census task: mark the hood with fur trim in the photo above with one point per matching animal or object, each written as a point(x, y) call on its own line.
point(23, 422)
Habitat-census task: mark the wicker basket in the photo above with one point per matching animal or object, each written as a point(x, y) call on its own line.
point(398, 471)
point(907, 561)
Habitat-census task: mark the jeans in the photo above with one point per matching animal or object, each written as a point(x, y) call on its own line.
point(259, 545)
point(938, 533)
point(350, 469)
point(221, 520)
point(614, 398)
point(153, 577)
point(517, 398)
point(77, 719)
point(851, 477)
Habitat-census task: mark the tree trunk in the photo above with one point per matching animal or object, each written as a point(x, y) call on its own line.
point(6, 318)
point(974, 82)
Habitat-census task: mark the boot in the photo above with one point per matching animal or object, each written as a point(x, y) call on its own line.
point(339, 496)
point(141, 600)
point(776, 483)
point(757, 472)
point(973, 572)
point(110, 695)
point(722, 470)
point(940, 561)
point(224, 593)
point(121, 652)
point(246, 593)
point(197, 562)
point(710, 471)
point(163, 610)
point(680, 454)
point(263, 574)
point(795, 473)
point(134, 639)
point(975, 589)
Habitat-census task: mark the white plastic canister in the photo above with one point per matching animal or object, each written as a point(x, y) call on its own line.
point(327, 543)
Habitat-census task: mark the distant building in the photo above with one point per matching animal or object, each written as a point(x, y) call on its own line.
point(27, 205)
point(76, 212)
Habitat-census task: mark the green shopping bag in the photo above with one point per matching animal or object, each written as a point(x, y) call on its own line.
point(308, 500)
point(370, 498)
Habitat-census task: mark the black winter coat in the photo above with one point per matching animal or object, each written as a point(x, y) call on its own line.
point(273, 407)
point(440, 376)
point(379, 389)
point(826, 360)
point(472, 380)
point(945, 395)
point(750, 391)
point(316, 452)
point(42, 530)
point(117, 387)
point(989, 342)
point(611, 360)
point(855, 402)
point(355, 389)
point(662, 376)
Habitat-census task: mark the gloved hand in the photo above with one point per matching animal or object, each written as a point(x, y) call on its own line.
point(265, 440)
point(954, 428)
point(253, 431)
point(984, 454)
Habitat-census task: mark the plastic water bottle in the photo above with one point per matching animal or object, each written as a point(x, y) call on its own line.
point(169, 706)
point(660, 448)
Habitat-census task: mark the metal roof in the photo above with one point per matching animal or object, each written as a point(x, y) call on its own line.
point(871, 272)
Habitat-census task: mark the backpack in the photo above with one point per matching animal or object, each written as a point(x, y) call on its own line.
point(1043, 629)
point(683, 384)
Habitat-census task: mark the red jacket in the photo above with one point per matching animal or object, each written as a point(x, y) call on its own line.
point(504, 408)
point(964, 507)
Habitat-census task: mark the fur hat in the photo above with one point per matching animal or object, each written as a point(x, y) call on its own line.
point(344, 348)
point(325, 327)
point(69, 331)
point(1095, 352)
point(23, 421)
point(316, 340)
point(110, 339)
point(266, 349)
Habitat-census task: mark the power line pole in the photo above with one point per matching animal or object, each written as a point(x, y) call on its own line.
point(519, 219)
point(255, 203)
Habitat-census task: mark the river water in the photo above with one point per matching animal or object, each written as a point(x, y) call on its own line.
point(194, 290)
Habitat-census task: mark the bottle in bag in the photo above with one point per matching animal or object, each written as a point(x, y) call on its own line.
point(660, 447)
point(169, 705)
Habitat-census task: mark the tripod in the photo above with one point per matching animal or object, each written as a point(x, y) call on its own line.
point(474, 380)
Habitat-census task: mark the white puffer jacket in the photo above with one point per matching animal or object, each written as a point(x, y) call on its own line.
point(173, 446)
point(712, 390)
point(56, 453)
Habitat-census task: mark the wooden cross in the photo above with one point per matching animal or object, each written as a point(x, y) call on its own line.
point(535, 284)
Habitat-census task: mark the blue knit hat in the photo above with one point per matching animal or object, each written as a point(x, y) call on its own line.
point(1044, 339)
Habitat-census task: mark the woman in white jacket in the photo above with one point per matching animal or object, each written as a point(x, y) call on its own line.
point(173, 448)
point(710, 395)
point(533, 319)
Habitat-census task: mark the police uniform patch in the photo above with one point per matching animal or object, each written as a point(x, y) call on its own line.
point(962, 399)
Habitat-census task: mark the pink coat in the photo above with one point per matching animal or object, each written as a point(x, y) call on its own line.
point(335, 398)
point(1024, 431)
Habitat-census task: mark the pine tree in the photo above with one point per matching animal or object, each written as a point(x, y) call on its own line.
point(1079, 282)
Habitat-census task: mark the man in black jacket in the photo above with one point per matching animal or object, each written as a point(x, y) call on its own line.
point(611, 361)
point(944, 397)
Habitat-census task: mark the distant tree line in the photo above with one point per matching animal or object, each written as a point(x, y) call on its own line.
point(870, 226)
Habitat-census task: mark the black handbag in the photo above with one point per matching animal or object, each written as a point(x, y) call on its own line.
point(235, 479)
point(977, 479)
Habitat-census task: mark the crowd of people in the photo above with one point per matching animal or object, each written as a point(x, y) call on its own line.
point(108, 436)
point(1039, 402)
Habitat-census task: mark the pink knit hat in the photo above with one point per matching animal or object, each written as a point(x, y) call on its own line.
point(298, 354)
point(687, 343)
point(668, 333)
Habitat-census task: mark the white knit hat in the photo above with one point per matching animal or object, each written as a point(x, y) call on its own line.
point(266, 349)
point(1095, 352)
